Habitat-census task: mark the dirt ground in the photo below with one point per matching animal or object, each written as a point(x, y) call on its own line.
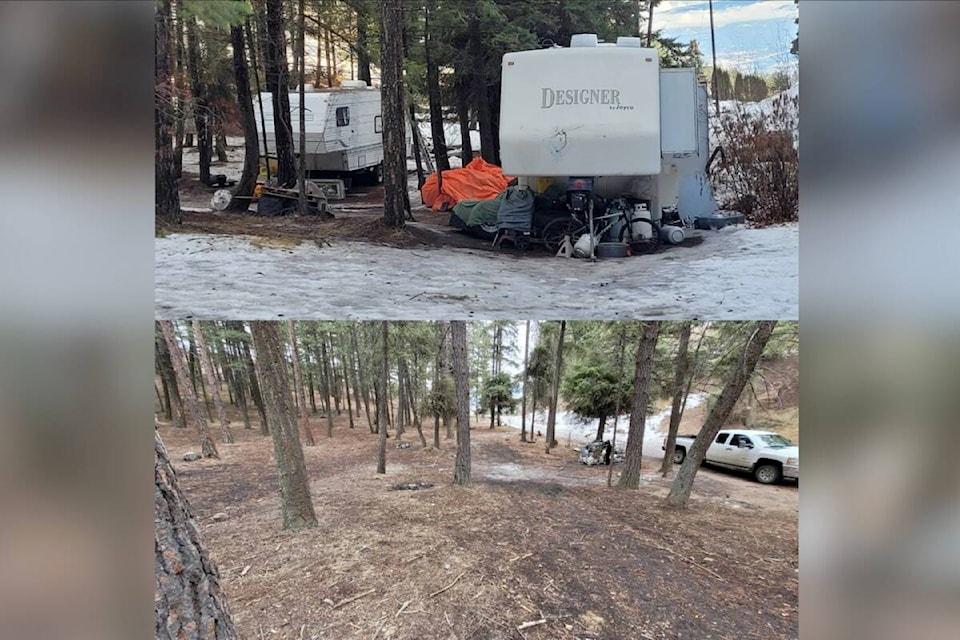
point(535, 537)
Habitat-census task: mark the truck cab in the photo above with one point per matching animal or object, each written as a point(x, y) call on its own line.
point(768, 456)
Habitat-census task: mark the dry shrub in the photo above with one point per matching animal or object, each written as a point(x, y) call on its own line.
point(760, 174)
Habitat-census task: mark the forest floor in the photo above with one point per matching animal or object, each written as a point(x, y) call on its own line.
point(535, 537)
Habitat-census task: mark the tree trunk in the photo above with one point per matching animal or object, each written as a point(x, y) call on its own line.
point(630, 477)
point(433, 93)
point(747, 362)
point(188, 600)
point(207, 447)
point(601, 428)
point(417, 153)
point(167, 374)
point(391, 91)
point(295, 503)
point(167, 200)
point(326, 384)
point(346, 386)
point(555, 389)
point(363, 51)
point(313, 397)
point(251, 146)
point(463, 115)
point(207, 363)
point(679, 382)
point(301, 116)
point(523, 391)
point(255, 387)
point(298, 382)
point(461, 376)
point(278, 85)
point(533, 414)
point(201, 109)
point(479, 80)
point(358, 387)
point(493, 102)
point(382, 403)
point(364, 390)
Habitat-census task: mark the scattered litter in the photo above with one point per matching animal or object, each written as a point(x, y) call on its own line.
point(411, 486)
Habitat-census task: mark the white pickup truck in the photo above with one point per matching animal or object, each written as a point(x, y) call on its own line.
point(768, 456)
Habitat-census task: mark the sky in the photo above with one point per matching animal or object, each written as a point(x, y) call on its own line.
point(751, 35)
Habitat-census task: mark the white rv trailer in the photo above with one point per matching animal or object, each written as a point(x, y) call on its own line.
point(606, 111)
point(343, 130)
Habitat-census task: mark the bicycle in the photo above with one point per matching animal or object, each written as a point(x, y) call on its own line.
point(575, 226)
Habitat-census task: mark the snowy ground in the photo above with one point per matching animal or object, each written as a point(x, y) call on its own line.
point(570, 429)
point(735, 274)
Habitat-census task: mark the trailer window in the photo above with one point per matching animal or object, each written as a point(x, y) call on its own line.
point(343, 116)
point(377, 124)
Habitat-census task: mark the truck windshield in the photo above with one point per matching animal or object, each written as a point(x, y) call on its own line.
point(775, 441)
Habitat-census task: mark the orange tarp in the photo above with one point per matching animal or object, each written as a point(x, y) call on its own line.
point(479, 180)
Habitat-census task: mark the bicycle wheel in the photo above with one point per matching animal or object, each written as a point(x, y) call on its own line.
point(555, 230)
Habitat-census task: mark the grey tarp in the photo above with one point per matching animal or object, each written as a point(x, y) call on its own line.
point(516, 209)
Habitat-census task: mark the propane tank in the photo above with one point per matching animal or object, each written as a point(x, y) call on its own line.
point(640, 229)
point(672, 234)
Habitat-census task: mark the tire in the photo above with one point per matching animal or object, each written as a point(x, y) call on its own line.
point(679, 455)
point(555, 230)
point(768, 473)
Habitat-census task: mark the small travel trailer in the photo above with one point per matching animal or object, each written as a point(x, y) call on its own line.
point(343, 131)
point(609, 113)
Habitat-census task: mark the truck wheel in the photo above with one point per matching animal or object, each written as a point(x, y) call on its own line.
point(679, 455)
point(767, 473)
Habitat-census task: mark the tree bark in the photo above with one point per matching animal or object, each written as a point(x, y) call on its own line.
point(630, 477)
point(479, 80)
point(555, 389)
point(746, 363)
point(326, 384)
point(363, 45)
point(461, 376)
point(201, 108)
point(298, 382)
point(302, 115)
point(463, 115)
point(392, 98)
point(346, 385)
point(359, 390)
point(167, 198)
point(601, 428)
point(165, 364)
point(295, 503)
point(278, 85)
point(188, 601)
point(433, 93)
point(207, 447)
point(523, 397)
point(679, 379)
point(382, 402)
point(206, 368)
point(252, 377)
point(251, 144)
